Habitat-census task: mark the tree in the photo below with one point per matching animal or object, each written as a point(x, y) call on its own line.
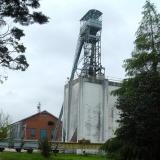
point(139, 94)
point(4, 125)
point(21, 12)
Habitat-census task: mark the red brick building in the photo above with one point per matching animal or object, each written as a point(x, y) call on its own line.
point(37, 126)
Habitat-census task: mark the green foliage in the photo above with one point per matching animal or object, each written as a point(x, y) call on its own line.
point(139, 102)
point(139, 94)
point(4, 125)
point(20, 12)
point(145, 56)
point(112, 147)
point(45, 147)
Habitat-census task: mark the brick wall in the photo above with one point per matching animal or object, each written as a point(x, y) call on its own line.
point(34, 126)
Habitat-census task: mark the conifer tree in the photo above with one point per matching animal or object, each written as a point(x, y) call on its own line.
point(139, 94)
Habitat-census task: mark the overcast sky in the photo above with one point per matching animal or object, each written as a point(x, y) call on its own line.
point(51, 48)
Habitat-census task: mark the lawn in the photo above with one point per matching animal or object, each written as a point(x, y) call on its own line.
point(37, 156)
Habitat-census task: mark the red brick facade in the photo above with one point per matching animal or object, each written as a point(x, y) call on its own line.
point(41, 125)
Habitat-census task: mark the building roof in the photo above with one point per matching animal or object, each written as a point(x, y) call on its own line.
point(43, 112)
point(93, 14)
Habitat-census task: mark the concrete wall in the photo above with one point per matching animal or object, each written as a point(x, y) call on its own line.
point(74, 103)
point(111, 113)
point(90, 111)
point(90, 108)
point(70, 109)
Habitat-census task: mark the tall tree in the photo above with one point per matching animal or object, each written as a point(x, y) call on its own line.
point(139, 94)
point(21, 12)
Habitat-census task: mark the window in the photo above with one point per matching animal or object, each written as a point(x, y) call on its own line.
point(43, 133)
point(50, 123)
point(53, 133)
point(33, 133)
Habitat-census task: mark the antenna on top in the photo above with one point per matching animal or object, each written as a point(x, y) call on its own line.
point(39, 107)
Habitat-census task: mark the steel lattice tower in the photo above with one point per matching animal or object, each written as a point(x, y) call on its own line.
point(90, 40)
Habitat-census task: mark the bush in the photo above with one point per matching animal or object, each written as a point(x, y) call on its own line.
point(45, 147)
point(112, 148)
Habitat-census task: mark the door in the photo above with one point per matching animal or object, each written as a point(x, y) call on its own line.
point(43, 133)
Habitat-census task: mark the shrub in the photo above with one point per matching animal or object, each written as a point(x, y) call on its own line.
point(45, 147)
point(112, 148)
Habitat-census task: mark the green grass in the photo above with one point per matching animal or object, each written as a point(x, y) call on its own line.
point(37, 156)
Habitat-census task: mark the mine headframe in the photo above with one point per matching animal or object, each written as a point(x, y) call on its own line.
point(90, 40)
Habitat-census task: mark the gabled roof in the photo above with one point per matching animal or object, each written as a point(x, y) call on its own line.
point(43, 112)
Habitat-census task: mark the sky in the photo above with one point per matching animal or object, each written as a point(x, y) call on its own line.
point(51, 48)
